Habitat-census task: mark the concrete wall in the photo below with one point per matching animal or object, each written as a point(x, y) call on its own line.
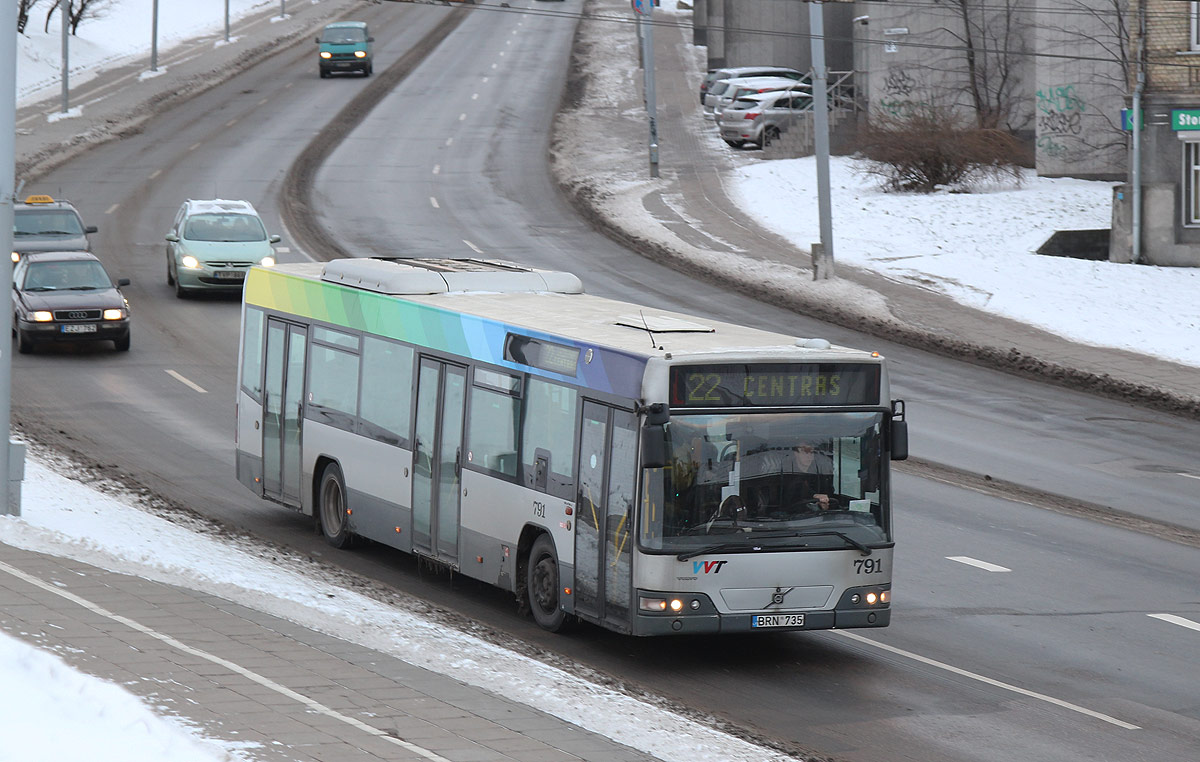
point(1079, 97)
point(775, 32)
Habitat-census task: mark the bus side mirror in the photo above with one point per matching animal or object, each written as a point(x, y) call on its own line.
point(654, 446)
point(899, 440)
point(899, 444)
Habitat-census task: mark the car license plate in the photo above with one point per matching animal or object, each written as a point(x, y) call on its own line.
point(230, 275)
point(778, 620)
point(79, 328)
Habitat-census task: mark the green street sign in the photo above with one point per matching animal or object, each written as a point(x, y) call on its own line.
point(1185, 119)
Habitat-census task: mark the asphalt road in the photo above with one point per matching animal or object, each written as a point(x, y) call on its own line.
point(977, 665)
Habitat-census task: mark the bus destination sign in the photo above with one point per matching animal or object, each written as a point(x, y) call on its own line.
point(774, 385)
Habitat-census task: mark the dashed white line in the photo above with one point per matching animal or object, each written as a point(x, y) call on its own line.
point(1187, 476)
point(449, 141)
point(231, 122)
point(437, 168)
point(433, 201)
point(462, 117)
point(312, 704)
point(474, 248)
point(494, 66)
point(977, 563)
point(155, 173)
point(485, 79)
point(474, 96)
point(186, 382)
point(111, 209)
point(264, 100)
point(193, 146)
point(1182, 622)
point(986, 680)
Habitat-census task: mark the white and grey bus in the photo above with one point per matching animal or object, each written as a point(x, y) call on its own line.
point(649, 472)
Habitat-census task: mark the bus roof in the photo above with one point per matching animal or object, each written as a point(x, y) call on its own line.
point(497, 297)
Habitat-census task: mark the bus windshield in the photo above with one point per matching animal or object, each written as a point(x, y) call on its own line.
point(762, 479)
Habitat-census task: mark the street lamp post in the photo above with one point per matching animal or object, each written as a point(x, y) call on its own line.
point(822, 254)
point(154, 37)
point(226, 20)
point(65, 12)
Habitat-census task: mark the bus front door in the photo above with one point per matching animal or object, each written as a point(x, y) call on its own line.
point(604, 514)
point(283, 410)
point(437, 459)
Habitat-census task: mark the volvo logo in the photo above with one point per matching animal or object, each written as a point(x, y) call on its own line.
point(76, 315)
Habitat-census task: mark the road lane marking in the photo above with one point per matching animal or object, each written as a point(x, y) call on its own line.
point(231, 122)
point(977, 563)
point(264, 100)
point(495, 66)
point(1187, 476)
point(987, 680)
point(194, 146)
point(1182, 622)
point(449, 141)
point(155, 173)
point(433, 201)
point(111, 209)
point(474, 96)
point(234, 667)
point(181, 379)
point(474, 248)
point(462, 117)
point(437, 168)
point(485, 79)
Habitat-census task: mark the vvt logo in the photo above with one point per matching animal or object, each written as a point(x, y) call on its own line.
point(707, 566)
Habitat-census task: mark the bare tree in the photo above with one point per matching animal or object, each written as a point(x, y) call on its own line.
point(24, 8)
point(993, 37)
point(80, 10)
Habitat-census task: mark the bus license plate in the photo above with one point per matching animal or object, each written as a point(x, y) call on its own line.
point(80, 328)
point(778, 620)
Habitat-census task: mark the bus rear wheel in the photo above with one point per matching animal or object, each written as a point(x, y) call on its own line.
point(331, 508)
point(542, 586)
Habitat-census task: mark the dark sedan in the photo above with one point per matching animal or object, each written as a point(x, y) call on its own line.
point(67, 296)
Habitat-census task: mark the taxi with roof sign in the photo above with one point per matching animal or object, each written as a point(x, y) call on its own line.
point(44, 223)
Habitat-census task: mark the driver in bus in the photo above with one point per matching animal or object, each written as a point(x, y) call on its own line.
point(808, 479)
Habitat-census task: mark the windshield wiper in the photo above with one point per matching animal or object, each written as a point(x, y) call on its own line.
point(83, 288)
point(865, 549)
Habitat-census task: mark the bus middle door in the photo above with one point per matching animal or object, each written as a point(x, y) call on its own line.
point(283, 410)
point(604, 513)
point(437, 458)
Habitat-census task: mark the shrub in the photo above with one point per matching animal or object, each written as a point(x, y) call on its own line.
point(934, 149)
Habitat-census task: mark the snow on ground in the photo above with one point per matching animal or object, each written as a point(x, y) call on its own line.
point(69, 519)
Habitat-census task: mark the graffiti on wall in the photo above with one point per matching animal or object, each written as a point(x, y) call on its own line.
point(898, 88)
point(1060, 123)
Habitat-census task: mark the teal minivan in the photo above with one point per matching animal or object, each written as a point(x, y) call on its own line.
point(345, 46)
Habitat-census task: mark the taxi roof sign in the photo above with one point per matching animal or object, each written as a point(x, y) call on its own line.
point(40, 198)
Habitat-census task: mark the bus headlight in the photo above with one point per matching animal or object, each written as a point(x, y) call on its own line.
point(674, 605)
point(190, 262)
point(114, 314)
point(42, 316)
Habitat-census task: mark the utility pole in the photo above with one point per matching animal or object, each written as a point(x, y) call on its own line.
point(822, 253)
point(64, 11)
point(10, 451)
point(645, 8)
point(226, 20)
point(154, 37)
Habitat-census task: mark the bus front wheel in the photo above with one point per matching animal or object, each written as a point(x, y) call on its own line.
point(542, 585)
point(331, 508)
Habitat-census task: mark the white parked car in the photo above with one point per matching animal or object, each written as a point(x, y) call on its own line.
point(736, 88)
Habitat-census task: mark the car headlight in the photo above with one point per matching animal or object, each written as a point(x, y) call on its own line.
point(268, 262)
point(115, 314)
point(190, 262)
point(43, 316)
point(326, 54)
point(360, 54)
point(16, 257)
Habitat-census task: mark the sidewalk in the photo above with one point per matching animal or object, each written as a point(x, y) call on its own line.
point(686, 218)
point(285, 692)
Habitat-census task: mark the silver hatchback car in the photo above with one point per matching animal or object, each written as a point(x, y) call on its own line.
point(736, 88)
point(762, 117)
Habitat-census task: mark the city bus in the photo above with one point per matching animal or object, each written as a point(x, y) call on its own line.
point(646, 471)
